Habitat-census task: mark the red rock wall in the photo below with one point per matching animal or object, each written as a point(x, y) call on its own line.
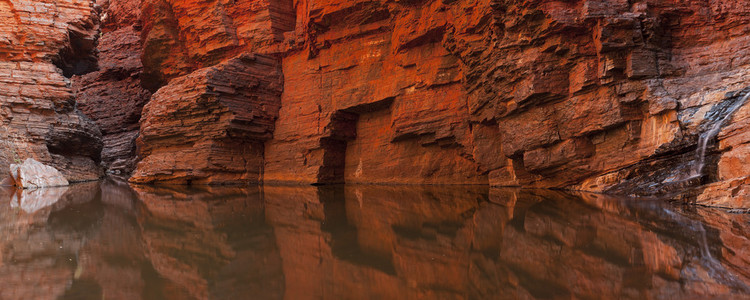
point(605, 96)
point(209, 126)
point(113, 96)
point(533, 93)
point(40, 42)
point(182, 36)
point(376, 62)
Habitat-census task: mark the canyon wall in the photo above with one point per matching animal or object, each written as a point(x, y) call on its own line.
point(42, 44)
point(112, 96)
point(607, 96)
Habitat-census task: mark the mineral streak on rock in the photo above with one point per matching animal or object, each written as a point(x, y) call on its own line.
point(210, 126)
point(42, 43)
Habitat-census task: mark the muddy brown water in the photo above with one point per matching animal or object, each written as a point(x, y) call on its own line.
point(109, 240)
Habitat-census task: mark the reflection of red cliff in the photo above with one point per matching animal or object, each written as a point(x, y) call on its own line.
point(201, 248)
point(343, 243)
point(122, 248)
point(403, 243)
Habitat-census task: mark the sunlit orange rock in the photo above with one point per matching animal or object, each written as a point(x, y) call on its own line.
point(512, 93)
point(182, 36)
point(588, 95)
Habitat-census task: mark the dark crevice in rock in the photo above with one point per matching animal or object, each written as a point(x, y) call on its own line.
point(79, 57)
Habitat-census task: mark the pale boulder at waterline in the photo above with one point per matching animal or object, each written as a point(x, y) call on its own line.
point(33, 174)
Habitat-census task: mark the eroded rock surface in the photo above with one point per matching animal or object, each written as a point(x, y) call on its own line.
point(605, 96)
point(113, 96)
point(41, 44)
point(210, 126)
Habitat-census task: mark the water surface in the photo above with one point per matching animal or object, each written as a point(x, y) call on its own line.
point(111, 241)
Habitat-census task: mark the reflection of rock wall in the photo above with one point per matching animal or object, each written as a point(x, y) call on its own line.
point(453, 243)
point(42, 43)
point(38, 258)
point(365, 241)
point(210, 244)
point(100, 241)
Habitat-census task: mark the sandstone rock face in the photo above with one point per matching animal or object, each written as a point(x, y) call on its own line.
point(182, 36)
point(210, 126)
point(605, 96)
point(42, 42)
point(580, 94)
point(113, 96)
point(33, 174)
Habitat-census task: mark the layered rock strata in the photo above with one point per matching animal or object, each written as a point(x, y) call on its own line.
point(605, 96)
point(534, 93)
point(209, 126)
point(113, 96)
point(182, 36)
point(41, 44)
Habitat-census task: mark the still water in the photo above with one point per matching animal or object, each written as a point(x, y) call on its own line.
point(111, 241)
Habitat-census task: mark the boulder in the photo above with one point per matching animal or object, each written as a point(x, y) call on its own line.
point(33, 174)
